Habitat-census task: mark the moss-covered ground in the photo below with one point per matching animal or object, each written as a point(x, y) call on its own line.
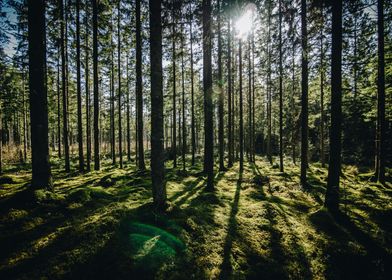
point(258, 225)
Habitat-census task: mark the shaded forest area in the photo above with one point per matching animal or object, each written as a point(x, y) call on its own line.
point(195, 139)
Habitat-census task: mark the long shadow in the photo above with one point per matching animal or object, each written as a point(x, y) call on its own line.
point(346, 262)
point(226, 267)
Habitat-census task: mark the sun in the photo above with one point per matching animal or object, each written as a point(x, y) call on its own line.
point(244, 24)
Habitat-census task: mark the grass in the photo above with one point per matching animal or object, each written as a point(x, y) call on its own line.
point(255, 225)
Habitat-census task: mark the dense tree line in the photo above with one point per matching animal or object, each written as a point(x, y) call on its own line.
point(204, 80)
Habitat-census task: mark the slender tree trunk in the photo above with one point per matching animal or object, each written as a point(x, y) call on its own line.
point(119, 82)
point(249, 141)
point(293, 124)
point(193, 136)
point(269, 98)
point(304, 95)
point(174, 122)
point(253, 138)
point(241, 108)
point(96, 93)
point(221, 97)
point(79, 90)
point(58, 103)
point(157, 151)
point(87, 87)
point(183, 102)
point(41, 174)
point(112, 125)
point(281, 167)
point(207, 88)
point(334, 169)
point(128, 116)
point(24, 115)
point(64, 89)
point(322, 157)
point(139, 90)
point(381, 125)
point(229, 94)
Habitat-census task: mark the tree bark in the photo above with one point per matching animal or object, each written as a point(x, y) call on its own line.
point(281, 167)
point(139, 90)
point(119, 82)
point(96, 93)
point(64, 88)
point(157, 151)
point(193, 135)
point(381, 125)
point(334, 169)
point(78, 88)
point(304, 95)
point(207, 88)
point(87, 87)
point(41, 174)
point(174, 121)
point(220, 85)
point(229, 94)
point(241, 108)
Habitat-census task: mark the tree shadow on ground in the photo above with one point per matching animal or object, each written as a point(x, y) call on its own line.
point(352, 253)
point(226, 266)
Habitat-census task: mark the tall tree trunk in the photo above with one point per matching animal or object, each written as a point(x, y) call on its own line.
point(304, 95)
point(220, 85)
point(229, 94)
point(96, 93)
point(24, 114)
point(139, 90)
point(119, 82)
point(269, 97)
point(281, 167)
point(157, 151)
point(128, 115)
point(322, 157)
point(207, 88)
point(87, 87)
point(183, 101)
point(112, 125)
point(334, 169)
point(293, 121)
point(241, 107)
point(41, 175)
point(381, 125)
point(193, 136)
point(58, 103)
point(78, 88)
point(64, 89)
point(174, 121)
point(249, 141)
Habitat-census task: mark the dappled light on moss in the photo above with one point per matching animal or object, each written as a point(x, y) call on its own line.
point(102, 224)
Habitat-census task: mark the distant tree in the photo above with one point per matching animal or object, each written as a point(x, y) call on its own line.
point(381, 124)
point(207, 88)
point(304, 95)
point(119, 81)
point(139, 89)
point(38, 95)
point(96, 86)
point(79, 90)
point(221, 96)
point(64, 83)
point(334, 167)
point(241, 132)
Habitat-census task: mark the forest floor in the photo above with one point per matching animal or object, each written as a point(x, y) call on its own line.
point(258, 225)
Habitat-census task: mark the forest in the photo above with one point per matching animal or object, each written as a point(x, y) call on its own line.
point(195, 139)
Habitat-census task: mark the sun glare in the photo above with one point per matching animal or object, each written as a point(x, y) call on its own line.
point(244, 24)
